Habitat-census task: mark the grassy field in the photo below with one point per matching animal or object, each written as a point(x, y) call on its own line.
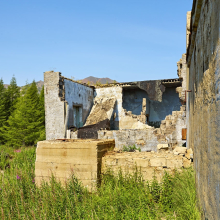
point(119, 197)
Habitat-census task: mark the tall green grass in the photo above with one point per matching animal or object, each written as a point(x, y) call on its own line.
point(118, 197)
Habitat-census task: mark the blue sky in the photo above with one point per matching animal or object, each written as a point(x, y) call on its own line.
point(125, 40)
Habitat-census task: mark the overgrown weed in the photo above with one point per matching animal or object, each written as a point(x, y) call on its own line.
point(131, 148)
point(120, 196)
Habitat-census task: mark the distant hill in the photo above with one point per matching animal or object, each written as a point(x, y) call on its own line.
point(94, 80)
point(6, 86)
point(39, 85)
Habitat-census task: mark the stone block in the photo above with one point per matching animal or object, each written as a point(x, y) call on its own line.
point(180, 150)
point(189, 154)
point(140, 162)
point(140, 142)
point(158, 162)
point(168, 117)
point(174, 163)
point(168, 123)
point(162, 146)
point(186, 162)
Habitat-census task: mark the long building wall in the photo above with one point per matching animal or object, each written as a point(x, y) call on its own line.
point(203, 103)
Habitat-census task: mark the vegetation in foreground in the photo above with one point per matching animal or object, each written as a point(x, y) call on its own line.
point(119, 197)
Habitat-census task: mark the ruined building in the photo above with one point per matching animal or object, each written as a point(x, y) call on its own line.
point(143, 113)
point(150, 114)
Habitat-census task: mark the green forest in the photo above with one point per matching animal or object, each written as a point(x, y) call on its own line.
point(22, 117)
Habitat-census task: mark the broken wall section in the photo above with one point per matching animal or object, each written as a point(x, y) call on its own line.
point(152, 165)
point(67, 103)
point(135, 107)
point(80, 100)
point(54, 105)
point(148, 139)
point(182, 72)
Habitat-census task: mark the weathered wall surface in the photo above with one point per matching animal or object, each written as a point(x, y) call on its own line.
point(54, 107)
point(143, 138)
point(181, 72)
point(147, 137)
point(61, 95)
point(204, 103)
point(113, 92)
point(130, 99)
point(150, 163)
point(78, 95)
point(83, 158)
point(170, 102)
point(133, 99)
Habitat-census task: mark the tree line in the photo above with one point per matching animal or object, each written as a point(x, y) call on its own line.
point(22, 114)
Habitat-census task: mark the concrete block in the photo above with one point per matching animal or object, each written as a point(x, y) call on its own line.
point(162, 146)
point(140, 162)
point(186, 162)
point(189, 154)
point(174, 163)
point(180, 150)
point(62, 158)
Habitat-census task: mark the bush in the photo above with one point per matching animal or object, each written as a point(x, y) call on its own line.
point(132, 148)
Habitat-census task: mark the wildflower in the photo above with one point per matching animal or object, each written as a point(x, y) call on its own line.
point(0, 189)
point(17, 151)
point(33, 180)
point(18, 177)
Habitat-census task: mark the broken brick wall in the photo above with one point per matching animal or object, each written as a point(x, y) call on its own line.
point(151, 164)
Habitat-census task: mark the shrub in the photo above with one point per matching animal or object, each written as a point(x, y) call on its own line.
point(132, 148)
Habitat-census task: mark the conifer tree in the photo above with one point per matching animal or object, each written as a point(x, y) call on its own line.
point(2, 108)
point(42, 116)
point(11, 97)
point(24, 125)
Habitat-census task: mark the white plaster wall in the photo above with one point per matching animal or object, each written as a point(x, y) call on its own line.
point(78, 95)
point(54, 107)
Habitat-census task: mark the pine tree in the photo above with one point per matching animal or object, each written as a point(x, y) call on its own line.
point(42, 116)
point(11, 97)
point(2, 108)
point(24, 124)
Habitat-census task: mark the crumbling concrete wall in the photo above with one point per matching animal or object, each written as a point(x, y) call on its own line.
point(61, 95)
point(54, 106)
point(78, 95)
point(203, 103)
point(143, 138)
point(112, 92)
point(150, 164)
point(159, 110)
point(148, 138)
point(133, 100)
point(129, 100)
point(182, 72)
